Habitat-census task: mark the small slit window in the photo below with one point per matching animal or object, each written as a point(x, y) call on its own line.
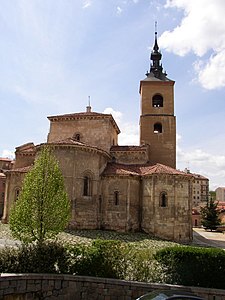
point(163, 199)
point(86, 186)
point(17, 192)
point(157, 101)
point(116, 198)
point(157, 128)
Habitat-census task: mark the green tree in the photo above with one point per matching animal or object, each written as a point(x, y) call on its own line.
point(43, 207)
point(210, 215)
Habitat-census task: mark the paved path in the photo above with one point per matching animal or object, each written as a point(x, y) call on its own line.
point(207, 238)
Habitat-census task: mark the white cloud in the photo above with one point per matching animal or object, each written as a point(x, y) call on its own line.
point(129, 132)
point(202, 30)
point(87, 3)
point(119, 10)
point(201, 162)
point(8, 154)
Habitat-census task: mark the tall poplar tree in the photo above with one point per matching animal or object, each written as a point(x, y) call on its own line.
point(43, 207)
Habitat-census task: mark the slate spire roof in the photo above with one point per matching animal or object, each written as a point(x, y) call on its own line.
point(156, 69)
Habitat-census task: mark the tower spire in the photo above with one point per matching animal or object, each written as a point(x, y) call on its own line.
point(156, 68)
point(156, 47)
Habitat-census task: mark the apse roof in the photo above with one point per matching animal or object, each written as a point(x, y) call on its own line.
point(142, 169)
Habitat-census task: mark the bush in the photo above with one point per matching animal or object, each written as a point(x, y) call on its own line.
point(142, 266)
point(193, 266)
point(34, 258)
point(104, 258)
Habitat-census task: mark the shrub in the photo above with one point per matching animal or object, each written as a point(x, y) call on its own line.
point(104, 258)
point(193, 266)
point(142, 266)
point(34, 258)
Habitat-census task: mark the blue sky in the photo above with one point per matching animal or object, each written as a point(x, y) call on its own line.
point(55, 53)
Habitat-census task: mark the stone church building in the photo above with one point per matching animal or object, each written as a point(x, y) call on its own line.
point(112, 187)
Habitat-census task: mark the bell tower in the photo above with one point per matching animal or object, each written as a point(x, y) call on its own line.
point(157, 120)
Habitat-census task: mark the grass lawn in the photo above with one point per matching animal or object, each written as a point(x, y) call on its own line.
point(137, 240)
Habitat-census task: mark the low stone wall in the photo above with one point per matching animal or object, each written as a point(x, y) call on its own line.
point(66, 287)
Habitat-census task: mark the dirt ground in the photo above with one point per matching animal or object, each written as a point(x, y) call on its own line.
point(208, 238)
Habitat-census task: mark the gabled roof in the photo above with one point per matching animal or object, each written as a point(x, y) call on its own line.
point(140, 170)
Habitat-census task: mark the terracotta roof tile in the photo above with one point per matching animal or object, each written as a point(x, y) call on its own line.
point(73, 142)
point(143, 170)
point(198, 176)
point(128, 148)
point(85, 115)
point(20, 170)
point(5, 159)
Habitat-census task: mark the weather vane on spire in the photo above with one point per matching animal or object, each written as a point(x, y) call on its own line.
point(155, 27)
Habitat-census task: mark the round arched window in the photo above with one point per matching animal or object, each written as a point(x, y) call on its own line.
point(157, 100)
point(157, 128)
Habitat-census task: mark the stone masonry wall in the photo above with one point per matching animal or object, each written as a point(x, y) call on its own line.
point(68, 287)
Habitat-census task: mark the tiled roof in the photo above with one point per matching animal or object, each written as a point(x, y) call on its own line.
point(145, 169)
point(5, 159)
point(68, 141)
point(80, 114)
point(20, 170)
point(160, 169)
point(128, 148)
point(198, 176)
point(73, 142)
point(85, 115)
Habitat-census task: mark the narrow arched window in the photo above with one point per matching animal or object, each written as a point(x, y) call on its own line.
point(86, 187)
point(157, 128)
point(157, 101)
point(17, 192)
point(116, 198)
point(163, 199)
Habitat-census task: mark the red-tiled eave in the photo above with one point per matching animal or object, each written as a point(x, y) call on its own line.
point(141, 170)
point(20, 170)
point(5, 159)
point(128, 148)
point(84, 115)
point(72, 142)
point(198, 176)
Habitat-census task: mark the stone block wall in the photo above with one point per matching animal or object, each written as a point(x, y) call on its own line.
point(68, 287)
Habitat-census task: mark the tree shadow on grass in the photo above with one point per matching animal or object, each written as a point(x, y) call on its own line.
point(113, 235)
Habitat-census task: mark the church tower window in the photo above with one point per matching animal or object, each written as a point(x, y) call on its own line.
point(163, 199)
point(157, 128)
point(157, 101)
